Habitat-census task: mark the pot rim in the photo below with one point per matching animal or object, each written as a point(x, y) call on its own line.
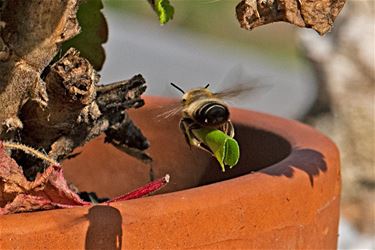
point(299, 136)
point(295, 200)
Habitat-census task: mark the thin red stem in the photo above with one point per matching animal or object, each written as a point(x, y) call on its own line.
point(143, 191)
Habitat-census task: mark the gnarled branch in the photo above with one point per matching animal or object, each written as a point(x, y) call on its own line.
point(318, 15)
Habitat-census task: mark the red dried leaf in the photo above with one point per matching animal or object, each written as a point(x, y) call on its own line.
point(49, 190)
point(26, 203)
point(12, 178)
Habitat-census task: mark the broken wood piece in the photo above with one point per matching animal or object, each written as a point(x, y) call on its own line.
point(318, 15)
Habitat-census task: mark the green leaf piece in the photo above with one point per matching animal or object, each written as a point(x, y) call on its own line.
point(164, 10)
point(225, 149)
point(94, 32)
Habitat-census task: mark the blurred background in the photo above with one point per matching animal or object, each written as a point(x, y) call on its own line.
point(327, 82)
point(204, 44)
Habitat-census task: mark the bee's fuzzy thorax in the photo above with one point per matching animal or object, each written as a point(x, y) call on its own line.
point(196, 94)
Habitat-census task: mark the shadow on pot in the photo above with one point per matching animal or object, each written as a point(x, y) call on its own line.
point(265, 149)
point(109, 172)
point(312, 167)
point(104, 231)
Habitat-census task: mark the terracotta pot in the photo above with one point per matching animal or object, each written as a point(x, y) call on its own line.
point(284, 193)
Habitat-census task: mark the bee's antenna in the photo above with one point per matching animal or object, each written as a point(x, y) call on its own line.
point(180, 89)
point(207, 86)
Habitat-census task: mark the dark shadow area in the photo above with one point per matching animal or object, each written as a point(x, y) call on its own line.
point(104, 230)
point(261, 149)
point(307, 160)
point(4, 79)
point(258, 149)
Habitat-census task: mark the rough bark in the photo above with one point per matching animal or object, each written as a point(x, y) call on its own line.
point(318, 15)
point(56, 108)
point(27, 48)
point(344, 63)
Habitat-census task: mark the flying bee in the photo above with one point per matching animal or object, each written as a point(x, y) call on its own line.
point(202, 108)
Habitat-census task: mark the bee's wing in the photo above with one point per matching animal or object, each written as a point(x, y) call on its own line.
point(240, 84)
point(239, 90)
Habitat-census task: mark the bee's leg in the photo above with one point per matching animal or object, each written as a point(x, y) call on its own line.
point(183, 130)
point(203, 147)
point(228, 128)
point(187, 125)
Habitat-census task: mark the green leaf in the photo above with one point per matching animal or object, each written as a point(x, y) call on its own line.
point(164, 10)
point(223, 147)
point(94, 32)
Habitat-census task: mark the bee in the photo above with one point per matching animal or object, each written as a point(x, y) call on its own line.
point(203, 108)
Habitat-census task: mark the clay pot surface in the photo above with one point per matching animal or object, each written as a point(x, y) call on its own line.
point(284, 193)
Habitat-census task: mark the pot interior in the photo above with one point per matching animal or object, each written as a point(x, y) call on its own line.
point(105, 170)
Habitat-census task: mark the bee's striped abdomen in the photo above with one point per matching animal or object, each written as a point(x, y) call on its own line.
point(212, 114)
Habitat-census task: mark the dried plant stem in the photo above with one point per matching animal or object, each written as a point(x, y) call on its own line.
point(145, 190)
point(30, 151)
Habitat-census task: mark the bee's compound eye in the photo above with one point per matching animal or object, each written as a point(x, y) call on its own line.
point(212, 114)
point(183, 100)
